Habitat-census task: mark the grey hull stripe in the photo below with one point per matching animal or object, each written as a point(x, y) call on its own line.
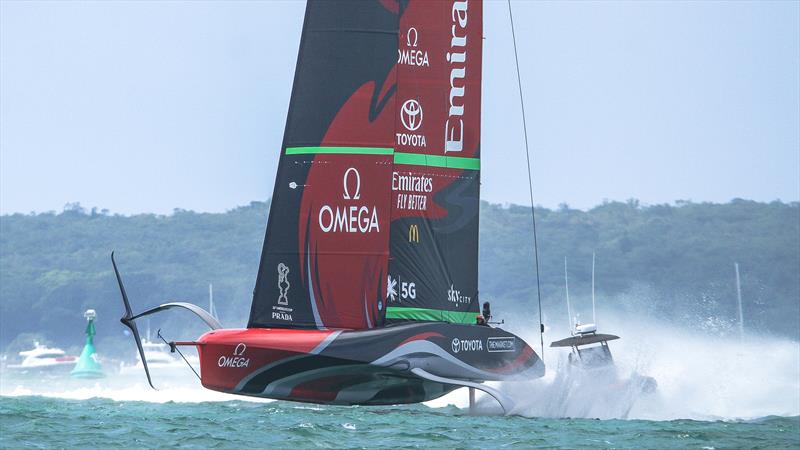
point(317, 319)
point(325, 342)
point(249, 377)
point(417, 347)
point(366, 311)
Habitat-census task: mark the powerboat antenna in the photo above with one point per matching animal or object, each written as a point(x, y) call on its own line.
point(739, 299)
point(566, 287)
point(594, 317)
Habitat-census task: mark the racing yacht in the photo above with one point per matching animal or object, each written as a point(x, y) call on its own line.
point(367, 287)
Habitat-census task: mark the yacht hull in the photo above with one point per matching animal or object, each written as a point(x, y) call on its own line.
point(365, 367)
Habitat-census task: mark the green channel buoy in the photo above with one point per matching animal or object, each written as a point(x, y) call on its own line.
point(87, 365)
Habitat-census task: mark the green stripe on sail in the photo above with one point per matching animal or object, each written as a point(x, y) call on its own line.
point(450, 162)
point(339, 150)
point(414, 159)
point(394, 312)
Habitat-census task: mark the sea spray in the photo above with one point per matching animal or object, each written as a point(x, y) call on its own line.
point(701, 375)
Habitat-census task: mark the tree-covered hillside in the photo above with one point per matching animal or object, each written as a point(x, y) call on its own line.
point(675, 260)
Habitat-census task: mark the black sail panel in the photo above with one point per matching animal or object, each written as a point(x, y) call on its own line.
point(325, 257)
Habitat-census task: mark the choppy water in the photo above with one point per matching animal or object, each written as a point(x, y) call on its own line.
point(713, 392)
point(49, 422)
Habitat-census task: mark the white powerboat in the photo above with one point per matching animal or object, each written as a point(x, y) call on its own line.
point(43, 358)
point(159, 358)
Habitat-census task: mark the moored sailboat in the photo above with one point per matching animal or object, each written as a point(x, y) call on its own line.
point(367, 288)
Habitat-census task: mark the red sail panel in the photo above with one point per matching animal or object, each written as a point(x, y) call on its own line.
point(439, 78)
point(433, 271)
point(344, 218)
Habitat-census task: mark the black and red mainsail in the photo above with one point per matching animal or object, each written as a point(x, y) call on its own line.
point(367, 286)
point(374, 215)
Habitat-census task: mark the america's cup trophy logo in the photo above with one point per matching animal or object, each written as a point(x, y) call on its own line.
point(283, 284)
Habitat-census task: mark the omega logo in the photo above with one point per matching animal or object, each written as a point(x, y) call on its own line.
point(412, 32)
point(345, 179)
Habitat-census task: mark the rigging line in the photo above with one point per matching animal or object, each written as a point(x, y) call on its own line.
point(173, 347)
point(530, 181)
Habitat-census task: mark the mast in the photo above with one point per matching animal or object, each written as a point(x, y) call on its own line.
point(566, 287)
point(739, 300)
point(594, 317)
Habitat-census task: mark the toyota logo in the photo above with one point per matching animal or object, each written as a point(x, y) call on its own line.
point(411, 115)
point(456, 345)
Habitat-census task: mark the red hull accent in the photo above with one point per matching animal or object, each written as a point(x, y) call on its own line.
point(369, 367)
point(222, 365)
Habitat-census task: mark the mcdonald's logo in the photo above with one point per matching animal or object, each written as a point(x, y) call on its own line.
point(413, 233)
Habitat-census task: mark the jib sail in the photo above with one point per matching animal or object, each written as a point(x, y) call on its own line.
point(433, 270)
point(326, 249)
point(374, 215)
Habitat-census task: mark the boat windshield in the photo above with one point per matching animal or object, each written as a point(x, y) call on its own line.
point(50, 355)
point(598, 355)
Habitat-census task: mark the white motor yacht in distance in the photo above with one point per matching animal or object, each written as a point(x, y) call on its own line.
point(43, 358)
point(159, 358)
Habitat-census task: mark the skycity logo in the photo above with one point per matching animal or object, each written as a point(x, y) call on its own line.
point(411, 116)
point(466, 345)
point(353, 218)
point(454, 296)
point(457, 57)
point(411, 56)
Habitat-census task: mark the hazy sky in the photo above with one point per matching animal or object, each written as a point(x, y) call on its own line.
point(148, 106)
